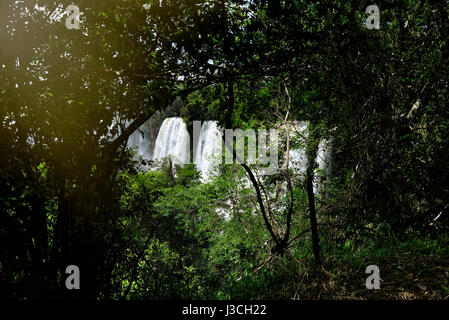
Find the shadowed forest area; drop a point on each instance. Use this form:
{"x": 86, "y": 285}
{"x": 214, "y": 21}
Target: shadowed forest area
{"x": 93, "y": 105}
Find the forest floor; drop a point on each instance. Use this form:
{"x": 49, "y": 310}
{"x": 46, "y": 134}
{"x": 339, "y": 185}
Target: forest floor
{"x": 416, "y": 269}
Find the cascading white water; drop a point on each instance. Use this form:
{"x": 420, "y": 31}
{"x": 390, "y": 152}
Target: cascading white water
{"x": 324, "y": 161}
{"x": 298, "y": 158}
{"x": 173, "y": 140}
{"x": 209, "y": 148}
{"x": 324, "y": 156}
{"x": 141, "y": 143}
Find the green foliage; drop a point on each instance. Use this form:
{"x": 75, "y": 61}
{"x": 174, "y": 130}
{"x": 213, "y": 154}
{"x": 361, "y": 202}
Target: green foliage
{"x": 69, "y": 193}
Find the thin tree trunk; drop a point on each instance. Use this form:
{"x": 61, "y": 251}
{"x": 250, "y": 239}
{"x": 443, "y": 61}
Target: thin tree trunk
{"x": 313, "y": 223}
{"x": 228, "y": 123}
{"x": 311, "y": 150}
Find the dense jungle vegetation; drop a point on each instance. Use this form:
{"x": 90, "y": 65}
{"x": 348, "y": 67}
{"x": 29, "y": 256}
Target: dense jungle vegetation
{"x": 69, "y": 195}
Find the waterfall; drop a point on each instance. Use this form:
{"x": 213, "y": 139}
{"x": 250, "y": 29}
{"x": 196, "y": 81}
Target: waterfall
{"x": 324, "y": 161}
{"x": 209, "y": 148}
{"x": 298, "y": 158}
{"x": 141, "y": 142}
{"x": 173, "y": 140}
{"x": 324, "y": 155}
